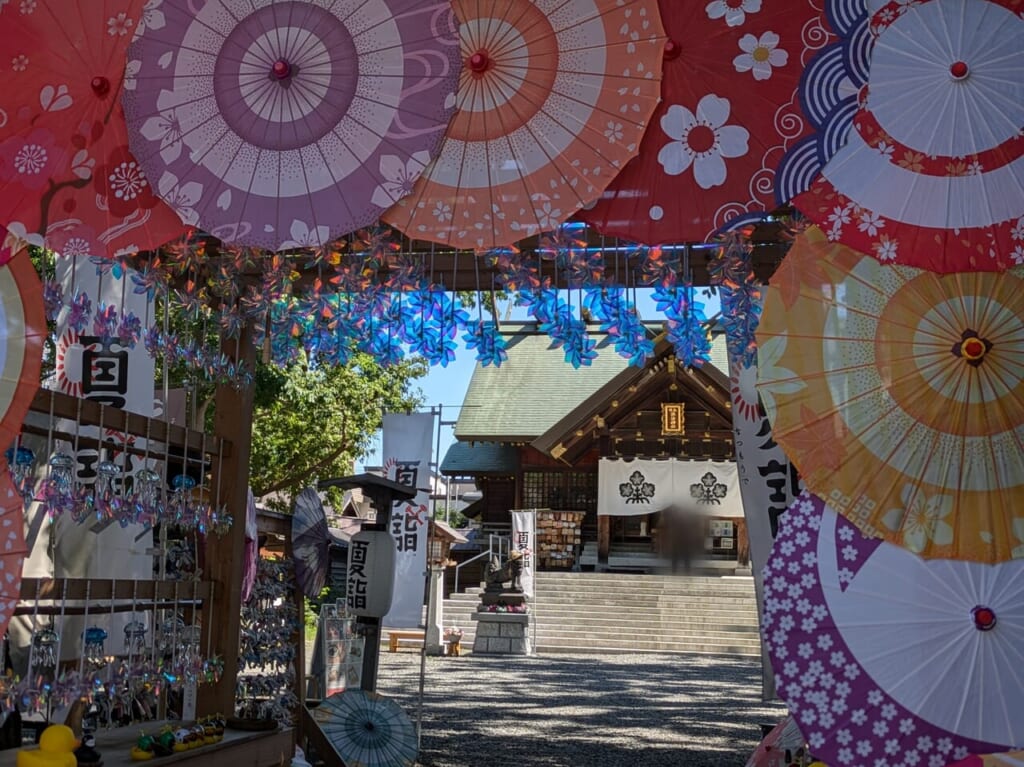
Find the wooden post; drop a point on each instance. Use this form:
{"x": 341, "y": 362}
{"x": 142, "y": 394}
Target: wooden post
{"x": 604, "y": 536}
{"x": 222, "y": 619}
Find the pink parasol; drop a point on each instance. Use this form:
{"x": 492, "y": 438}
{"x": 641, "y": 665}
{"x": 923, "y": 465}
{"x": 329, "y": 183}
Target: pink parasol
{"x": 286, "y": 124}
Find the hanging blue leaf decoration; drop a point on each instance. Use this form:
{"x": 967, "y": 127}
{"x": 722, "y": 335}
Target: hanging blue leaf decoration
{"x": 619, "y": 320}
{"x": 733, "y": 273}
{"x": 685, "y": 324}
{"x": 488, "y": 342}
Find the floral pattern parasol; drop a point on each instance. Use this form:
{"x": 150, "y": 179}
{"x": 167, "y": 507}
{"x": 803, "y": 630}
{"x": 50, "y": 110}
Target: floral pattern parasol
{"x": 287, "y": 124}
{"x": 67, "y": 178}
{"x": 932, "y": 172}
{"x": 899, "y": 395}
{"x": 730, "y": 109}
{"x": 553, "y": 100}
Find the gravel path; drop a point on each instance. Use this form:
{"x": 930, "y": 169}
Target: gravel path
{"x": 583, "y": 710}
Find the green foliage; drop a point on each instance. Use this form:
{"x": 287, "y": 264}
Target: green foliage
{"x": 311, "y": 424}
{"x": 456, "y": 518}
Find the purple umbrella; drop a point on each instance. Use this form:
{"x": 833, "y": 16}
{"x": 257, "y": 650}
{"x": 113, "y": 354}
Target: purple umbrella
{"x": 888, "y": 659}
{"x": 286, "y": 124}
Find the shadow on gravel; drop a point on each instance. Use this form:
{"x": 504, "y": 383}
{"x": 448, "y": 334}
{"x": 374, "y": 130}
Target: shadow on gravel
{"x": 583, "y": 711}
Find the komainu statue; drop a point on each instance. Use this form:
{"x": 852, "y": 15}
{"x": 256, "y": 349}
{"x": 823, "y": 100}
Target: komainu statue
{"x": 499, "y": 574}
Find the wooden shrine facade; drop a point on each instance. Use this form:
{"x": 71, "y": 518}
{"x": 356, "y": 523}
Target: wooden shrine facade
{"x": 623, "y": 416}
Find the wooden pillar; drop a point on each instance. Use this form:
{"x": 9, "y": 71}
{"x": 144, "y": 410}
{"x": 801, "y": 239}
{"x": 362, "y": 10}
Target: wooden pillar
{"x": 232, "y": 422}
{"x": 604, "y": 536}
{"x": 742, "y": 543}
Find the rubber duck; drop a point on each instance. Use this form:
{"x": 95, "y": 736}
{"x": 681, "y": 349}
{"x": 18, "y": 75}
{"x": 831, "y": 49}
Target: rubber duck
{"x": 56, "y": 749}
{"x": 86, "y": 754}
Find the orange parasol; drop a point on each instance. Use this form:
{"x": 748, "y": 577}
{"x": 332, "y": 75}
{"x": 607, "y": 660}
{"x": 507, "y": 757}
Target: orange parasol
{"x": 553, "y": 100}
{"x": 899, "y": 394}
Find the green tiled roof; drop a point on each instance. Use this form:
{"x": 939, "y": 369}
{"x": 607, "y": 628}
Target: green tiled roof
{"x": 465, "y": 459}
{"x": 535, "y": 388}
{"x": 530, "y": 391}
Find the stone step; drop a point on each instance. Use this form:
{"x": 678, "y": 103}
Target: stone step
{"x": 603, "y": 612}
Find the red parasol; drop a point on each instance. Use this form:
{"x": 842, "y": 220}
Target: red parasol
{"x": 729, "y": 111}
{"x": 932, "y": 172}
{"x": 12, "y": 546}
{"x": 22, "y": 330}
{"x": 67, "y": 179}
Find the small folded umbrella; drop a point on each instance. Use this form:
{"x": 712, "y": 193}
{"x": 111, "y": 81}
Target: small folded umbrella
{"x": 311, "y": 541}
{"x": 367, "y": 729}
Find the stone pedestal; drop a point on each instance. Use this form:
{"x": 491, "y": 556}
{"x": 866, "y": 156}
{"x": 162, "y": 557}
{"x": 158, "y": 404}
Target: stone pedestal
{"x": 502, "y": 633}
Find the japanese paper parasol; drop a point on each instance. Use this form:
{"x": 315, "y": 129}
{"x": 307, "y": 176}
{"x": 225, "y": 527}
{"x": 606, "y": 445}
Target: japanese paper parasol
{"x": 729, "y": 111}
{"x": 286, "y": 124}
{"x": 367, "y": 729}
{"x": 886, "y": 658}
{"x": 1009, "y": 759}
{"x": 552, "y": 102}
{"x": 12, "y": 546}
{"x": 932, "y": 173}
{"x": 22, "y": 331}
{"x": 783, "y": 737}
{"x": 899, "y": 395}
{"x": 67, "y": 178}
{"x": 310, "y": 542}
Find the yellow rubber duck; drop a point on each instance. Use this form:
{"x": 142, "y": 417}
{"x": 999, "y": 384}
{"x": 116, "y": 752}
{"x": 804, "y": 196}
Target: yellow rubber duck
{"x": 56, "y": 749}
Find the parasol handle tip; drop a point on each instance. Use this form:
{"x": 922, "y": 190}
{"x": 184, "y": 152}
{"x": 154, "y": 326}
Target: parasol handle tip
{"x": 281, "y": 69}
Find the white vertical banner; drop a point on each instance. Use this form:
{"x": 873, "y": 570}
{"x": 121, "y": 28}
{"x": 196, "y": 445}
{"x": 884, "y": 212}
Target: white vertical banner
{"x": 104, "y": 370}
{"x": 768, "y": 482}
{"x": 408, "y": 442}
{"x": 524, "y": 540}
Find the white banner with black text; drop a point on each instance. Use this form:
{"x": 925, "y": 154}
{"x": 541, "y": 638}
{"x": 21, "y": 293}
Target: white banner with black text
{"x": 768, "y": 483}
{"x": 524, "y": 540}
{"x": 408, "y": 440}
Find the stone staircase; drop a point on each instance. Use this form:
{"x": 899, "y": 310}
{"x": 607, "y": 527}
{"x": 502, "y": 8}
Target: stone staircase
{"x": 609, "y": 612}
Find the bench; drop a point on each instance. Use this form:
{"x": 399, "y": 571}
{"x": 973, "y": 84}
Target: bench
{"x": 404, "y": 637}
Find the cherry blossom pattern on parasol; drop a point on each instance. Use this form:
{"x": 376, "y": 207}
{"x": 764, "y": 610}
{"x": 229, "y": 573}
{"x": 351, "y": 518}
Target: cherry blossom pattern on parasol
{"x": 286, "y": 124}
{"x": 729, "y": 110}
{"x": 885, "y": 658}
{"x": 932, "y": 173}
{"x": 67, "y": 178}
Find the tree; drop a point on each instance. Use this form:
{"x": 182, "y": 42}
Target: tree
{"x": 313, "y": 423}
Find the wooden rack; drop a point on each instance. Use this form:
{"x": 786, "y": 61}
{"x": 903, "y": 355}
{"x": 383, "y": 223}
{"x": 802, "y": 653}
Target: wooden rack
{"x": 88, "y": 413}
{"x": 94, "y": 595}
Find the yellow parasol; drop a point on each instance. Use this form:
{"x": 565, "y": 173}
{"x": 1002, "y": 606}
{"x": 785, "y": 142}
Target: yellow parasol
{"x": 898, "y": 393}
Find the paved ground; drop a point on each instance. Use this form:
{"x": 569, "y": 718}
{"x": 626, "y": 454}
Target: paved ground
{"x": 583, "y": 711}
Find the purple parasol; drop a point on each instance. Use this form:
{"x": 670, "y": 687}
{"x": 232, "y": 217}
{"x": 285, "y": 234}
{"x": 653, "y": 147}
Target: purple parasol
{"x": 286, "y": 124}
{"x": 885, "y": 658}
